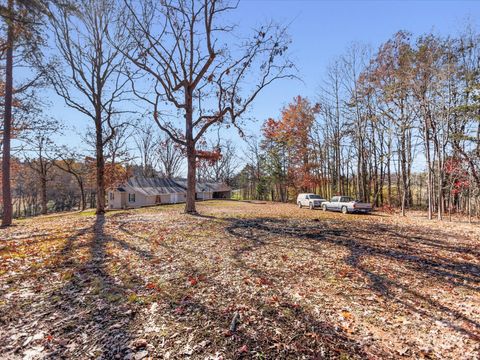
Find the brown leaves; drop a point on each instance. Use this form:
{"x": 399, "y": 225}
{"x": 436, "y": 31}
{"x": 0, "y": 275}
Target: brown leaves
{"x": 139, "y": 343}
{"x": 180, "y": 310}
{"x": 243, "y": 349}
{"x": 49, "y": 338}
{"x": 347, "y": 315}
{"x": 263, "y": 281}
{"x": 152, "y": 286}
{"x": 193, "y": 281}
{"x": 302, "y": 288}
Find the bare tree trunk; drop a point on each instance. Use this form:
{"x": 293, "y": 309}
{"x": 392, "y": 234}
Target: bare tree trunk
{"x": 469, "y": 207}
{"x": 403, "y": 164}
{"x": 429, "y": 174}
{"x": 43, "y": 195}
{"x": 359, "y": 174}
{"x": 100, "y": 169}
{"x": 191, "y": 157}
{"x": 83, "y": 199}
{"x": 450, "y": 203}
{"x": 389, "y": 171}
{"x": 440, "y": 188}
{"x": 7, "y": 125}
{"x": 191, "y": 174}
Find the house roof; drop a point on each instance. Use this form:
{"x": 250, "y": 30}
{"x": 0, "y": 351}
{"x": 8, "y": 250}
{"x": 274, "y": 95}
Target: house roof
{"x": 183, "y": 183}
{"x": 216, "y": 187}
{"x": 158, "y": 186}
{"x": 201, "y": 186}
{"x": 153, "y": 186}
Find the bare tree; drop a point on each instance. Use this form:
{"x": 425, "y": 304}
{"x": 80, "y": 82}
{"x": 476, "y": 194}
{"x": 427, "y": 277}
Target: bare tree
{"x": 147, "y": 145}
{"x": 170, "y": 157}
{"x": 118, "y": 149}
{"x": 330, "y": 122}
{"x": 90, "y": 80}
{"x": 38, "y": 156}
{"x": 223, "y": 168}
{"x": 71, "y": 162}
{"x": 178, "y": 45}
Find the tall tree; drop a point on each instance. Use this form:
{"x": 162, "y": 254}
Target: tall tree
{"x": 184, "y": 48}
{"x": 7, "y": 123}
{"x": 88, "y": 73}
{"x": 391, "y": 75}
{"x": 21, "y": 19}
{"x": 330, "y": 128}
{"x": 293, "y": 131}
{"x": 425, "y": 86}
{"x": 465, "y": 128}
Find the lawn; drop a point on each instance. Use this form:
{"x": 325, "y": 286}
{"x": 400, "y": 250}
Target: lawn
{"x": 243, "y": 280}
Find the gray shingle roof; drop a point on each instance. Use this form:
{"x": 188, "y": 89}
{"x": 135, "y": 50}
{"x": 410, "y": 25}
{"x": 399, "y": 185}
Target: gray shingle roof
{"x": 212, "y": 186}
{"x": 198, "y": 185}
{"x": 202, "y": 186}
{"x": 158, "y": 186}
{"x": 153, "y": 186}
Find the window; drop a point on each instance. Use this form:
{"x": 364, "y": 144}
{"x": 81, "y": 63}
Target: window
{"x": 131, "y": 197}
{"x": 158, "y": 199}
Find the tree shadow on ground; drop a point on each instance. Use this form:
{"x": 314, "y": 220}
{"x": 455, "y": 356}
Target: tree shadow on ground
{"x": 363, "y": 244}
{"x": 91, "y": 305}
{"x": 285, "y": 329}
{"x": 88, "y": 315}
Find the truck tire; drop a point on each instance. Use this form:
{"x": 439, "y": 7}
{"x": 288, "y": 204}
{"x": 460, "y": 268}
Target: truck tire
{"x": 299, "y": 205}
{"x": 344, "y": 210}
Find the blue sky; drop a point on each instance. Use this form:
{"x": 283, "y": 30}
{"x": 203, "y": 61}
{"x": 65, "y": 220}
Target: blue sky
{"x": 321, "y": 31}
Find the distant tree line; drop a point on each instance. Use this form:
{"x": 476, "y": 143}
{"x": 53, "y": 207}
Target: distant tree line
{"x": 379, "y": 116}
{"x": 398, "y": 127}
{"x": 178, "y": 65}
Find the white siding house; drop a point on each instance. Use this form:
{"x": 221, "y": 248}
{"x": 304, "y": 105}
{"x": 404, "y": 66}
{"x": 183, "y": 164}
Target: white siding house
{"x": 140, "y": 191}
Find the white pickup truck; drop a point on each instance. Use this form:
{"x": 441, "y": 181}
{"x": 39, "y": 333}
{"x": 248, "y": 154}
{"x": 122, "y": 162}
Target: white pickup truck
{"x": 346, "y": 205}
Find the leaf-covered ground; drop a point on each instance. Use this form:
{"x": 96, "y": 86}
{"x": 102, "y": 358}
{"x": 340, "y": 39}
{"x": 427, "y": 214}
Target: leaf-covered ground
{"x": 243, "y": 280}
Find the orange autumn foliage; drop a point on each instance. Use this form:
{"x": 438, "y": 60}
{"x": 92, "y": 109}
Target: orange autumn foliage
{"x": 292, "y": 130}
{"x": 208, "y": 157}
{"x": 115, "y": 174}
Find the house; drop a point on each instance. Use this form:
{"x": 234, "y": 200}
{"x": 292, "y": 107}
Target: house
{"x": 141, "y": 191}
